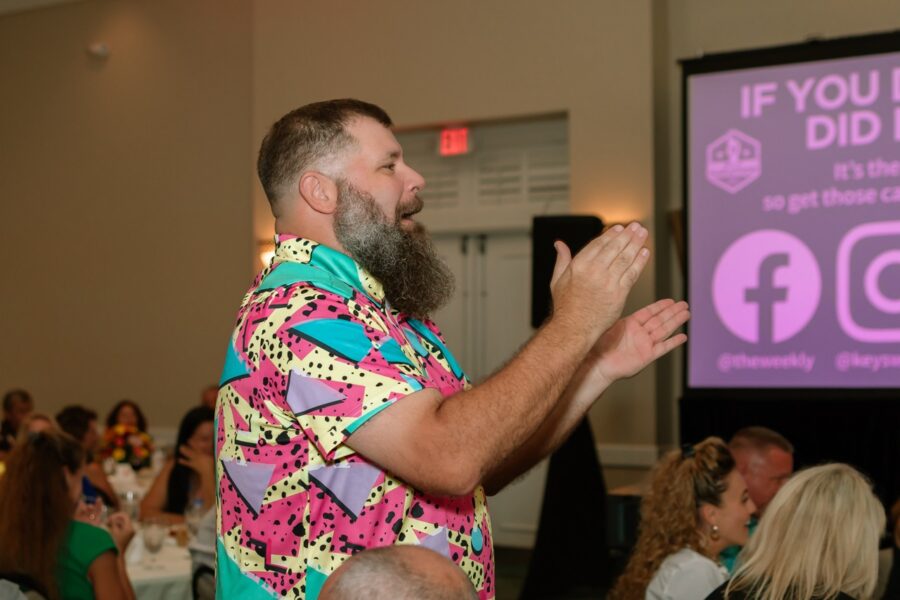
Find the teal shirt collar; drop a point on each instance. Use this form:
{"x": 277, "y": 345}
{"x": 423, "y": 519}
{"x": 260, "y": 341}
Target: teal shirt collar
{"x": 293, "y": 249}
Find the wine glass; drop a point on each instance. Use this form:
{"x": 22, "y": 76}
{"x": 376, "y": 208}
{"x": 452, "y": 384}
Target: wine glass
{"x": 154, "y": 532}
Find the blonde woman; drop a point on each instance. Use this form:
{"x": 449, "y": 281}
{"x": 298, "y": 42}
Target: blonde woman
{"x": 893, "y": 585}
{"x": 818, "y": 541}
{"x": 698, "y": 505}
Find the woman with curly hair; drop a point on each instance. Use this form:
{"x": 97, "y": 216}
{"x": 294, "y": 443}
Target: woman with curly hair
{"x": 697, "y": 506}
{"x": 818, "y": 541}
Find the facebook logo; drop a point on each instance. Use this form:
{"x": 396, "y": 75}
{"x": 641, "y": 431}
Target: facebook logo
{"x": 765, "y": 295}
{"x": 766, "y": 286}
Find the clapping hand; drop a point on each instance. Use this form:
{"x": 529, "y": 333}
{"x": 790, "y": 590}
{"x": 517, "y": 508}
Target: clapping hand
{"x": 590, "y": 288}
{"x": 637, "y": 340}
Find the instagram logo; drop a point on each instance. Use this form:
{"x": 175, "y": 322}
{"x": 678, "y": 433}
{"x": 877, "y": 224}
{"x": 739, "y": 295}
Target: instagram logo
{"x": 882, "y": 240}
{"x": 766, "y": 286}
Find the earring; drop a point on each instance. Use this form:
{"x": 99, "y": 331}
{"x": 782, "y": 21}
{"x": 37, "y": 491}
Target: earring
{"x": 714, "y": 535}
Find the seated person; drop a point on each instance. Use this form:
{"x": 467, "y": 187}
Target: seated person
{"x": 697, "y": 506}
{"x": 43, "y": 544}
{"x": 36, "y": 423}
{"x": 81, "y": 424}
{"x": 203, "y": 558}
{"x": 126, "y": 420}
{"x": 401, "y": 572}
{"x": 893, "y": 584}
{"x": 189, "y": 476}
{"x": 126, "y": 413}
{"x": 17, "y": 404}
{"x": 765, "y": 459}
{"x": 209, "y": 395}
{"x": 818, "y": 541}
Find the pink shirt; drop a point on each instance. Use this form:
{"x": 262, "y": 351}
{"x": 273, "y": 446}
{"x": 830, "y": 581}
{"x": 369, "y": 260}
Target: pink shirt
{"x": 315, "y": 354}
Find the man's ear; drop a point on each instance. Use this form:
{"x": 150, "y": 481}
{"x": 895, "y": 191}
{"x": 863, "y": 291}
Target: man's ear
{"x": 319, "y": 191}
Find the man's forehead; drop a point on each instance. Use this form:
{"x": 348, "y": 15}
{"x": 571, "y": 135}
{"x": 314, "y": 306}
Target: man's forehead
{"x": 779, "y": 456}
{"x": 373, "y": 140}
{"x": 774, "y": 458}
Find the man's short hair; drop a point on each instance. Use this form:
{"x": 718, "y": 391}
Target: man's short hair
{"x": 759, "y": 438}
{"x": 305, "y": 136}
{"x": 13, "y": 395}
{"x": 75, "y": 420}
{"x": 399, "y": 573}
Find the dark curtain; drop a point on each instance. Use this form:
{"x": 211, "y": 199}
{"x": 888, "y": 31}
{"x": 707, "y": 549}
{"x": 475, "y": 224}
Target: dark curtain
{"x": 570, "y": 555}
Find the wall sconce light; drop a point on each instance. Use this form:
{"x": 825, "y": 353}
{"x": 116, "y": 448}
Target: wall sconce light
{"x": 98, "y": 51}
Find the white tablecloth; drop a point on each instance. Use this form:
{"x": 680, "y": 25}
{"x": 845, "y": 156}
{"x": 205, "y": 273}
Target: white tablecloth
{"x": 168, "y": 578}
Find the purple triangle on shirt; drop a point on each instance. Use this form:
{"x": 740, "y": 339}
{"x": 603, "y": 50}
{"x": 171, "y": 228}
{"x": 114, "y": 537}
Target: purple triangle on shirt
{"x": 438, "y": 542}
{"x": 306, "y": 394}
{"x": 250, "y": 480}
{"x": 349, "y": 485}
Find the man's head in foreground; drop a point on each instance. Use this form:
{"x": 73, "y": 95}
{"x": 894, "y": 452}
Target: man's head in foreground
{"x": 334, "y": 173}
{"x": 400, "y": 572}
{"x": 765, "y": 458}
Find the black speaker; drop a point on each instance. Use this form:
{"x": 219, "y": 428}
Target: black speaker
{"x": 575, "y": 231}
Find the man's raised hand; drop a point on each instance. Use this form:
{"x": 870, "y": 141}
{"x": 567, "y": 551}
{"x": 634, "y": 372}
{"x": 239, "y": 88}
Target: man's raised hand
{"x": 591, "y": 287}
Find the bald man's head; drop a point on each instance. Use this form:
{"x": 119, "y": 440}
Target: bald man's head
{"x": 398, "y": 573}
{"x": 765, "y": 459}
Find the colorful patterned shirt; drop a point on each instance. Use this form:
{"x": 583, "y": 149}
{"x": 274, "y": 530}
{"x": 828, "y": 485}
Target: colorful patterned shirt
{"x": 316, "y": 353}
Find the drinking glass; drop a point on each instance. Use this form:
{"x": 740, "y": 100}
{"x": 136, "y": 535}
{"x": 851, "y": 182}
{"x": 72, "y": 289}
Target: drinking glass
{"x": 193, "y": 514}
{"x": 130, "y": 501}
{"x": 154, "y": 532}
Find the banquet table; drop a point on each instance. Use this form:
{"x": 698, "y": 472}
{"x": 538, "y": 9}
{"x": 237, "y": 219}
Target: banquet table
{"x": 165, "y": 577}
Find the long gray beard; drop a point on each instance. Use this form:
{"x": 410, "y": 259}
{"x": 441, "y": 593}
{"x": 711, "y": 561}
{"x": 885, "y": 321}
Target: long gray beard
{"x": 416, "y": 281}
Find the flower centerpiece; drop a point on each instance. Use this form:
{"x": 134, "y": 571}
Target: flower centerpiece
{"x": 126, "y": 444}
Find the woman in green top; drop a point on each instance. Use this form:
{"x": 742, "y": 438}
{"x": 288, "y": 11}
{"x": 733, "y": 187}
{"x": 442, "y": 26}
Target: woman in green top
{"x": 39, "y": 495}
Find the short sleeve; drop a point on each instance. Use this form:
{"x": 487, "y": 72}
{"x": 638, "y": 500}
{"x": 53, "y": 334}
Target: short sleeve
{"x": 694, "y": 580}
{"x": 88, "y": 542}
{"x": 350, "y": 362}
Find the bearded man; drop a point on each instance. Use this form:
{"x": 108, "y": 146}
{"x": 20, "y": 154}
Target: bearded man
{"x": 343, "y": 420}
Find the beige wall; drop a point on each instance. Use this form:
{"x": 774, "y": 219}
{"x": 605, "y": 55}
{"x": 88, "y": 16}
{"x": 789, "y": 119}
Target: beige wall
{"x": 125, "y": 232}
{"x": 437, "y": 62}
{"x": 129, "y": 211}
{"x": 689, "y": 28}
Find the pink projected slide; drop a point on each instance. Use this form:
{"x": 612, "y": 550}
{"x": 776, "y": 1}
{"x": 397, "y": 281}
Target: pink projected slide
{"x": 793, "y": 224}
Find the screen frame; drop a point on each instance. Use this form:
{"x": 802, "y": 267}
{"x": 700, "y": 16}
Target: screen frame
{"x": 774, "y": 56}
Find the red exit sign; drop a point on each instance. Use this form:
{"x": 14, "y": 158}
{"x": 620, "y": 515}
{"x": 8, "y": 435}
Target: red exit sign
{"x": 455, "y": 141}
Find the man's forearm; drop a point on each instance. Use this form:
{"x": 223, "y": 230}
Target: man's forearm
{"x": 509, "y": 407}
{"x": 449, "y": 446}
{"x": 576, "y": 400}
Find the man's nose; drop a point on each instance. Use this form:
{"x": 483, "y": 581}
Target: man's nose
{"x": 416, "y": 181}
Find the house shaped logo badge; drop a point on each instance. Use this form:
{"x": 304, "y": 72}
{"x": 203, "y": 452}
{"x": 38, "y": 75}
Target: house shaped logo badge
{"x": 733, "y": 161}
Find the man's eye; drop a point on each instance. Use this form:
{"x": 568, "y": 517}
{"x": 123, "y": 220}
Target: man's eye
{"x": 390, "y": 167}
